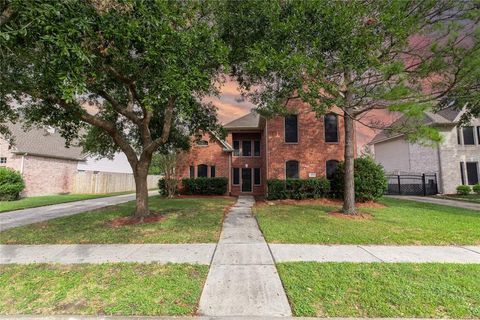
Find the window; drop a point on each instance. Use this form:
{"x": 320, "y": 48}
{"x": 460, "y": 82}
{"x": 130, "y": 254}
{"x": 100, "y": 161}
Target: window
{"x": 472, "y": 173}
{"x": 236, "y": 148}
{"x": 331, "y": 127}
{"x": 212, "y": 172}
{"x": 192, "y": 172}
{"x": 468, "y": 136}
{"x": 236, "y": 176}
{"x": 247, "y": 148}
{"x": 291, "y": 169}
{"x": 331, "y": 167}
{"x": 256, "y": 176}
{"x": 202, "y": 171}
{"x": 3, "y": 160}
{"x": 291, "y": 128}
{"x": 256, "y": 148}
{"x": 462, "y": 172}
{"x": 202, "y": 143}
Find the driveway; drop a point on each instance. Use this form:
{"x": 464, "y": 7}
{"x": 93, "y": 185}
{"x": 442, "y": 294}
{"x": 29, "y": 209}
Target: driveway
{"x": 444, "y": 202}
{"x": 23, "y": 217}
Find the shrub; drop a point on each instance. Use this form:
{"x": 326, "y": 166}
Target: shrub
{"x": 205, "y": 186}
{"x": 476, "y": 188}
{"x": 167, "y": 187}
{"x": 11, "y": 184}
{"x": 370, "y": 181}
{"x": 463, "y": 190}
{"x": 297, "y": 188}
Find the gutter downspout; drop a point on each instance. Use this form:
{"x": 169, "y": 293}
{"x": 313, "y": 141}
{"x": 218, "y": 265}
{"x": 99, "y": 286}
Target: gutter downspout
{"x": 22, "y": 166}
{"x": 440, "y": 171}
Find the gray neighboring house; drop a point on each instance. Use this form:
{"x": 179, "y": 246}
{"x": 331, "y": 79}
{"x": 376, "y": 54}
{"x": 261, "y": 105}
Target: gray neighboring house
{"x": 455, "y": 161}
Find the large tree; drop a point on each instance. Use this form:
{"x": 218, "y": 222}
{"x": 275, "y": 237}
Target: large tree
{"x": 399, "y": 55}
{"x": 114, "y": 75}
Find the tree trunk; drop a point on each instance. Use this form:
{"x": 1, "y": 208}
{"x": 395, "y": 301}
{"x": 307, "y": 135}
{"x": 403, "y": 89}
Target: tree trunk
{"x": 141, "y": 189}
{"x": 349, "y": 182}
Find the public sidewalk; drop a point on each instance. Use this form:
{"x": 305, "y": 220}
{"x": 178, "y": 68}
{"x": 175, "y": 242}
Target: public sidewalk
{"x": 440, "y": 201}
{"x": 243, "y": 279}
{"x": 17, "y": 218}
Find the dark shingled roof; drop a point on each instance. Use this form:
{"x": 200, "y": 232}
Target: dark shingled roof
{"x": 250, "y": 121}
{"x": 40, "y": 142}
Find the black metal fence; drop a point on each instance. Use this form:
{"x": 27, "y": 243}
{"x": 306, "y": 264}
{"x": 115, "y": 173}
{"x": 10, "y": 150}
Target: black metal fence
{"x": 412, "y": 184}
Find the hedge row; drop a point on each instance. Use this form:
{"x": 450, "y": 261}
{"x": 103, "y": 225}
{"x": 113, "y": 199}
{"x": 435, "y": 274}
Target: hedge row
{"x": 11, "y": 184}
{"x": 297, "y": 188}
{"x": 205, "y": 186}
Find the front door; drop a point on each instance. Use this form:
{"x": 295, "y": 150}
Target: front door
{"x": 246, "y": 179}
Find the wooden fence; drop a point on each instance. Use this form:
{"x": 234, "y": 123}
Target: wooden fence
{"x": 108, "y": 182}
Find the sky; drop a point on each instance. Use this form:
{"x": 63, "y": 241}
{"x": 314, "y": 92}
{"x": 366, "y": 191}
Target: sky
{"x": 231, "y": 105}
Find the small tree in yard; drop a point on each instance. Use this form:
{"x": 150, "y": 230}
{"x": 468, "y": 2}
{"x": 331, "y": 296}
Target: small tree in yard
{"x": 165, "y": 165}
{"x": 399, "y": 55}
{"x": 116, "y": 75}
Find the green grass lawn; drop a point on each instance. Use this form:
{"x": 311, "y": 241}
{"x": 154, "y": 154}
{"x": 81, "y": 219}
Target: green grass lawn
{"x": 110, "y": 289}
{"x": 188, "y": 220}
{"x": 475, "y": 198}
{"x": 32, "y": 202}
{"x": 382, "y": 289}
{"x": 402, "y": 222}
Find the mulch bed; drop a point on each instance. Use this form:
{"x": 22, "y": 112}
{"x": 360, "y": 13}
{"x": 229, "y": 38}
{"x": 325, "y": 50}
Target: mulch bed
{"x": 321, "y": 201}
{"x": 185, "y": 196}
{"x": 127, "y": 221}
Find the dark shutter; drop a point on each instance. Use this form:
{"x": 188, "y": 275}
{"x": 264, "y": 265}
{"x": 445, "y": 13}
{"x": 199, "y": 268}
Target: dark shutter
{"x": 212, "y": 172}
{"x": 247, "y": 148}
{"x": 472, "y": 173}
{"x": 236, "y": 148}
{"x": 459, "y": 140}
{"x": 331, "y": 127}
{"x": 478, "y": 135}
{"x": 236, "y": 176}
{"x": 256, "y": 176}
{"x": 468, "y": 136}
{"x": 256, "y": 148}
{"x": 202, "y": 171}
{"x": 192, "y": 172}
{"x": 291, "y": 169}
{"x": 462, "y": 172}
{"x": 331, "y": 167}
{"x": 291, "y": 128}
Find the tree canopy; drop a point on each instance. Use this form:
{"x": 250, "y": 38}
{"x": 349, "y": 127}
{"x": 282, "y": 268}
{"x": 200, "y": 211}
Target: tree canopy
{"x": 115, "y": 75}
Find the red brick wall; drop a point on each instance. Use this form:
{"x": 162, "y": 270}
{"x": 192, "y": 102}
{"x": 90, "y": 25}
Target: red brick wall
{"x": 311, "y": 150}
{"x": 211, "y": 155}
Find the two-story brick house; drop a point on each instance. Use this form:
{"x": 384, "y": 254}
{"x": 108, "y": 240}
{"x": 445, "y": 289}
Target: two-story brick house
{"x": 300, "y": 145}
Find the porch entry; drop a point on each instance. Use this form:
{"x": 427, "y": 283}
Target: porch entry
{"x": 247, "y": 180}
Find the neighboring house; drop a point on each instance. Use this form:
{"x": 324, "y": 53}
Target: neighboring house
{"x": 48, "y": 167}
{"x": 455, "y": 160}
{"x": 256, "y": 149}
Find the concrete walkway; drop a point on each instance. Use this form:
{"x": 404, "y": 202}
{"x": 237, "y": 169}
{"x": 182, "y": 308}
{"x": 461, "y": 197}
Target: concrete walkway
{"x": 73, "y": 317}
{"x": 444, "y": 202}
{"x": 243, "y": 280}
{"x": 17, "y": 218}
{"x": 373, "y": 253}
{"x": 102, "y": 253}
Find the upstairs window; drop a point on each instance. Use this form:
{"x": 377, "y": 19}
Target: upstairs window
{"x": 247, "y": 148}
{"x": 202, "y": 143}
{"x": 291, "y": 128}
{"x": 292, "y": 169}
{"x": 256, "y": 148}
{"x": 468, "y": 136}
{"x": 202, "y": 171}
{"x": 331, "y": 167}
{"x": 236, "y": 148}
{"x": 472, "y": 173}
{"x": 331, "y": 127}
